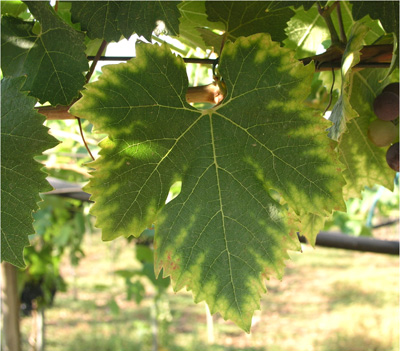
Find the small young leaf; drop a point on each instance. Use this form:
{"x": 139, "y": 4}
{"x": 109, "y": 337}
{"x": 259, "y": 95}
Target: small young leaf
{"x": 23, "y": 137}
{"x": 306, "y": 31}
{"x": 343, "y": 112}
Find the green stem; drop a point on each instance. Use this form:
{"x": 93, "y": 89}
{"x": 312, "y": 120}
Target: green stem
{"x": 95, "y": 60}
{"x": 83, "y": 137}
{"x": 343, "y": 38}
{"x": 325, "y": 12}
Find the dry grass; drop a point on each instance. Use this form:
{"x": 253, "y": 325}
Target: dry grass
{"x": 329, "y": 299}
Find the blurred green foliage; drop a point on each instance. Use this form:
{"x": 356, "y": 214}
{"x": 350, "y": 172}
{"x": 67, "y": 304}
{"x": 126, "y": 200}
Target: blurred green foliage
{"x": 375, "y": 207}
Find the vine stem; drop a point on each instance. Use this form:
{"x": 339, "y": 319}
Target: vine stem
{"x": 204, "y": 61}
{"x": 83, "y": 137}
{"x": 381, "y": 55}
{"x": 373, "y": 56}
{"x": 325, "y": 13}
{"x": 343, "y": 38}
{"x": 95, "y": 60}
{"x": 326, "y": 66}
{"x": 331, "y": 92}
{"x": 102, "y": 47}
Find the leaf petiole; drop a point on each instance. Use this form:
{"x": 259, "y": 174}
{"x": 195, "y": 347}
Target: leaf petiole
{"x": 325, "y": 13}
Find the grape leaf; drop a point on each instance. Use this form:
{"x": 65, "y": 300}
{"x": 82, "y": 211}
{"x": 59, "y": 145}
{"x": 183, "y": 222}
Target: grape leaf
{"x": 224, "y": 230}
{"x": 243, "y": 18}
{"x": 97, "y": 18}
{"x": 109, "y": 20}
{"x": 23, "y": 137}
{"x": 306, "y": 4}
{"x": 311, "y": 225}
{"x": 193, "y": 17}
{"x": 342, "y": 112}
{"x": 307, "y": 32}
{"x": 141, "y": 17}
{"x": 13, "y": 8}
{"x": 211, "y": 39}
{"x": 365, "y": 162}
{"x": 53, "y": 61}
{"x": 13, "y": 56}
{"x": 387, "y": 12}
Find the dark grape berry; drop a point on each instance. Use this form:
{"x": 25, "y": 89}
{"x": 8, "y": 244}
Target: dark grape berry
{"x": 386, "y": 106}
{"x": 392, "y": 157}
{"x": 31, "y": 291}
{"x": 392, "y": 87}
{"x": 382, "y": 133}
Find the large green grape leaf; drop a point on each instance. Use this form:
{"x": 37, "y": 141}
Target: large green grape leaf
{"x": 243, "y": 18}
{"x": 53, "y": 61}
{"x": 224, "y": 230}
{"x": 23, "y": 137}
{"x": 365, "y": 163}
{"x": 97, "y": 18}
{"x": 142, "y": 16}
{"x": 343, "y": 112}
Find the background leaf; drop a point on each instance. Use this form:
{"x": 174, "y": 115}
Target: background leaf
{"x": 193, "y": 17}
{"x": 97, "y": 18}
{"x": 308, "y": 35}
{"x": 306, "y": 32}
{"x": 243, "y": 18}
{"x": 211, "y": 39}
{"x": 141, "y": 17}
{"x": 23, "y": 137}
{"x": 53, "y": 61}
{"x": 386, "y": 11}
{"x": 13, "y": 8}
{"x": 13, "y": 56}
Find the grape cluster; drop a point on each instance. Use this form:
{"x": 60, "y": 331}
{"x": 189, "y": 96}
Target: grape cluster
{"x": 384, "y": 132}
{"x": 34, "y": 291}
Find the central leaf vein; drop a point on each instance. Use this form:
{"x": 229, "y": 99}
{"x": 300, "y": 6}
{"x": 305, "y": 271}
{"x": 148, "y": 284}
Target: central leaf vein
{"x": 222, "y": 213}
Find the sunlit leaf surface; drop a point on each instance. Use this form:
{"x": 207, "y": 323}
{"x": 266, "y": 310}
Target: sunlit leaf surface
{"x": 224, "y": 230}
